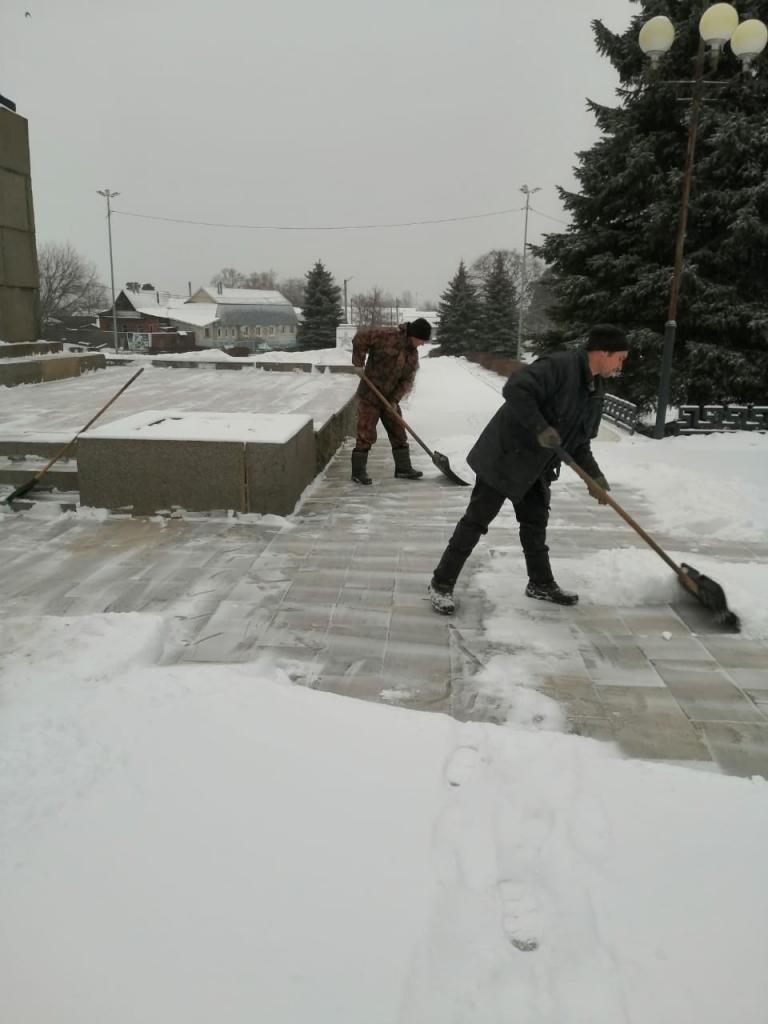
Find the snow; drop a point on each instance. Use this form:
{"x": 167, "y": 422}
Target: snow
{"x": 206, "y": 843}
{"x": 219, "y": 843}
{"x": 178, "y": 425}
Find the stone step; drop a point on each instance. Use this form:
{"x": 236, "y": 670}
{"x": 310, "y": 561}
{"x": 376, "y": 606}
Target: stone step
{"x": 38, "y": 369}
{"x": 19, "y": 349}
{"x": 61, "y": 476}
{"x": 43, "y": 446}
{"x": 62, "y": 501}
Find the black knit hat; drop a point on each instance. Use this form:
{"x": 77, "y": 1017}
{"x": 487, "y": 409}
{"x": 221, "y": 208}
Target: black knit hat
{"x": 420, "y": 328}
{"x": 607, "y": 338}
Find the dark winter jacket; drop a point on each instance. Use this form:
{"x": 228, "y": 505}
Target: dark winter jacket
{"x": 557, "y": 391}
{"x": 391, "y": 364}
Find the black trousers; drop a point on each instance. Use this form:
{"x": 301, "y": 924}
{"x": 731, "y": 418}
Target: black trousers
{"x": 485, "y": 503}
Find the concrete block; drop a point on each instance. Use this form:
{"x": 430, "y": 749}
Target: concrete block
{"x": 14, "y": 142}
{"x": 19, "y": 371}
{"x": 14, "y": 212}
{"x": 19, "y": 259}
{"x": 29, "y": 348}
{"x": 334, "y": 431}
{"x": 63, "y": 366}
{"x": 276, "y": 474}
{"x": 19, "y": 314}
{"x": 197, "y": 461}
{"x": 151, "y": 476}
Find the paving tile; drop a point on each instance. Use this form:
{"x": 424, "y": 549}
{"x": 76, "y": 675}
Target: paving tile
{"x": 739, "y": 749}
{"x": 738, "y": 652}
{"x": 615, "y": 661}
{"x": 706, "y": 694}
{"x": 677, "y": 648}
{"x": 750, "y": 678}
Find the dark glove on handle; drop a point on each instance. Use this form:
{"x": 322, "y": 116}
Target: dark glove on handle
{"x": 549, "y": 438}
{"x": 606, "y": 487}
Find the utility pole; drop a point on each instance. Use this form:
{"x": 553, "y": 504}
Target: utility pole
{"x": 346, "y": 314}
{"x": 110, "y": 196}
{"x": 527, "y": 192}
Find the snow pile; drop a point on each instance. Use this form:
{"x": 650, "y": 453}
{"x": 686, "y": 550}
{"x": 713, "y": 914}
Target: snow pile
{"x": 214, "y": 842}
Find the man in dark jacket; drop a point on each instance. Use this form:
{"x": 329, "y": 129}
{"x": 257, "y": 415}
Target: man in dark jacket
{"x": 555, "y": 402}
{"x": 390, "y": 357}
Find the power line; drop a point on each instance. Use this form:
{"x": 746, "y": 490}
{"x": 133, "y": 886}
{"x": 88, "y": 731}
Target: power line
{"x": 331, "y": 227}
{"x": 549, "y": 217}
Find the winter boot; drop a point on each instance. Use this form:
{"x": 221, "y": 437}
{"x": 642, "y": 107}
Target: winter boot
{"x": 441, "y": 597}
{"x": 550, "y": 592}
{"x": 359, "y": 463}
{"x": 403, "y": 468}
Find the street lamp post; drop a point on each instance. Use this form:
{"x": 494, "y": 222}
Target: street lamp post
{"x": 718, "y": 24}
{"x": 527, "y": 192}
{"x": 346, "y": 314}
{"x": 109, "y": 196}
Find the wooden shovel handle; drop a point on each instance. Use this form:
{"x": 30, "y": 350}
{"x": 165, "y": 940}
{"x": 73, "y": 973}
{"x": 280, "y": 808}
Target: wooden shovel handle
{"x": 395, "y": 413}
{"x": 601, "y": 492}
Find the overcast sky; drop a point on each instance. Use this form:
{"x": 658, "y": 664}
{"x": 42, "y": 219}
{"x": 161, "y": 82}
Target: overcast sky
{"x": 304, "y": 113}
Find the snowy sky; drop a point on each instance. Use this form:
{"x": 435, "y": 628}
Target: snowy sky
{"x": 302, "y": 114}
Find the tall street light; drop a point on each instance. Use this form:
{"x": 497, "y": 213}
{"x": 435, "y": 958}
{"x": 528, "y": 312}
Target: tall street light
{"x": 718, "y": 24}
{"x": 527, "y": 192}
{"x": 109, "y": 196}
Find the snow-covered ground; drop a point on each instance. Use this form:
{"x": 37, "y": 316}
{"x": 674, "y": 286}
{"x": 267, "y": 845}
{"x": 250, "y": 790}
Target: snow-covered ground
{"x": 206, "y": 843}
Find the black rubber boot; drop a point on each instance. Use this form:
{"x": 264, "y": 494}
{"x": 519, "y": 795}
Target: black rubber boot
{"x": 359, "y": 471}
{"x": 441, "y": 597}
{"x": 550, "y": 592}
{"x": 403, "y": 468}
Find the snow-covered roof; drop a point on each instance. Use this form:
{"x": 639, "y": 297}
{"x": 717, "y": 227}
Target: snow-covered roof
{"x": 198, "y": 314}
{"x": 245, "y": 296}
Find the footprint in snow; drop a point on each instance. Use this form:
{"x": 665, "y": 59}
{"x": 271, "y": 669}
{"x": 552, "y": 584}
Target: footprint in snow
{"x": 461, "y": 765}
{"x": 520, "y": 915}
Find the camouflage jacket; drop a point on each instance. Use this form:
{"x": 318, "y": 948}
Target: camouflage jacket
{"x": 391, "y": 363}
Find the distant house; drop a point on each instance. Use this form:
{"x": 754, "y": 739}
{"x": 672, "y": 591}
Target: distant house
{"x": 251, "y": 318}
{"x": 155, "y": 321}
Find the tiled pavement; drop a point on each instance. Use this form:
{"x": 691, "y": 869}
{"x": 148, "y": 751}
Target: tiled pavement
{"x": 339, "y": 596}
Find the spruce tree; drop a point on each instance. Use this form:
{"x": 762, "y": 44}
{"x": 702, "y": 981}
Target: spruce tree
{"x": 500, "y": 311}
{"x": 614, "y": 262}
{"x": 322, "y": 310}
{"x": 459, "y": 313}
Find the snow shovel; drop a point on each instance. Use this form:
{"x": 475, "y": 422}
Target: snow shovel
{"x": 441, "y": 461}
{"x": 704, "y": 588}
{"x": 23, "y": 489}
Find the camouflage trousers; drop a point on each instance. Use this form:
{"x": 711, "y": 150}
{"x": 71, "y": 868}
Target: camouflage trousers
{"x": 368, "y": 415}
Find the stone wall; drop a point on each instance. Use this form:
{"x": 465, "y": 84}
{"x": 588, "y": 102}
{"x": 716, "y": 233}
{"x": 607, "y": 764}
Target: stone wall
{"x": 19, "y": 281}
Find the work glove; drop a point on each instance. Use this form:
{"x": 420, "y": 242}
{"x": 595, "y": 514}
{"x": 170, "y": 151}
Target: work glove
{"x": 549, "y": 438}
{"x": 606, "y": 487}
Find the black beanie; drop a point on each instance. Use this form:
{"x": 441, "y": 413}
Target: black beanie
{"x": 607, "y": 338}
{"x": 420, "y": 328}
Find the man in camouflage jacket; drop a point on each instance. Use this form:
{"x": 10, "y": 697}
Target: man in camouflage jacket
{"x": 389, "y": 357}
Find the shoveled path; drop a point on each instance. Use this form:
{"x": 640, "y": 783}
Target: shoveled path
{"x": 338, "y": 594}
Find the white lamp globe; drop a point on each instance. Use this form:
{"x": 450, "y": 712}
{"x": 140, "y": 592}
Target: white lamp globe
{"x": 749, "y": 40}
{"x": 656, "y": 37}
{"x": 717, "y": 25}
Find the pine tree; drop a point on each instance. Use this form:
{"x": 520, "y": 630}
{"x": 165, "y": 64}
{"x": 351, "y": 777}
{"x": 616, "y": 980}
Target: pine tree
{"x": 322, "y": 310}
{"x": 459, "y": 313}
{"x": 500, "y": 310}
{"x": 614, "y": 263}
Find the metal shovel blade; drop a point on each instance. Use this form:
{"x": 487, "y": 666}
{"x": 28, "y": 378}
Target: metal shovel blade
{"x": 442, "y": 463}
{"x": 711, "y": 595}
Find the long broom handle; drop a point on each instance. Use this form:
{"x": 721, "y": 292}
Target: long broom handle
{"x": 396, "y": 414}
{"x": 605, "y": 496}
{"x": 41, "y": 473}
